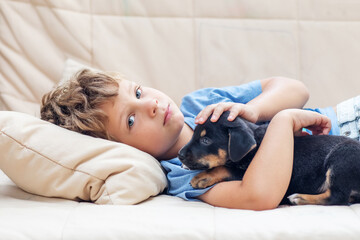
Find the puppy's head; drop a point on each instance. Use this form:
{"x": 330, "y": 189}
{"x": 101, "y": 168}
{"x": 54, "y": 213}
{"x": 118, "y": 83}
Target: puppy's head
{"x": 213, "y": 144}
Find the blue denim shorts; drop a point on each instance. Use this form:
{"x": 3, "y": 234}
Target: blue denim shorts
{"x": 348, "y": 117}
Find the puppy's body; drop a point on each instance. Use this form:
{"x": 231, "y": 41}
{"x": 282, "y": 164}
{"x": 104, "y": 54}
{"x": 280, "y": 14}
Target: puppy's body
{"x": 326, "y": 169}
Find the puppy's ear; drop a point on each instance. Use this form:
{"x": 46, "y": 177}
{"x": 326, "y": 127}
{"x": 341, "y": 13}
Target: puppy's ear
{"x": 241, "y": 137}
{"x": 240, "y": 143}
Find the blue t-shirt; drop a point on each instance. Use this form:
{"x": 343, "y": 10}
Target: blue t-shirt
{"x": 178, "y": 177}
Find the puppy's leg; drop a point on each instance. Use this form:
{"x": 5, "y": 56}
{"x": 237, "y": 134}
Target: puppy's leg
{"x": 335, "y": 193}
{"x": 325, "y": 198}
{"x": 304, "y": 199}
{"x": 212, "y": 176}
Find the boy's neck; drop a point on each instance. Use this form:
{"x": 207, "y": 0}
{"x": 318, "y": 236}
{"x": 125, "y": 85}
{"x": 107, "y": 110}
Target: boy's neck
{"x": 184, "y": 137}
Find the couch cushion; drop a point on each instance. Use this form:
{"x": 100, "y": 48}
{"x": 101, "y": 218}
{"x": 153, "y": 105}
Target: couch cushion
{"x": 47, "y": 160}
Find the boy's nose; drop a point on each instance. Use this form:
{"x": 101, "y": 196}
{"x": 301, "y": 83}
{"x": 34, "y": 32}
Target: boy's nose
{"x": 152, "y": 107}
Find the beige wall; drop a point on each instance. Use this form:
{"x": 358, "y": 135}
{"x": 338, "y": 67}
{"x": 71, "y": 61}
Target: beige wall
{"x": 178, "y": 46}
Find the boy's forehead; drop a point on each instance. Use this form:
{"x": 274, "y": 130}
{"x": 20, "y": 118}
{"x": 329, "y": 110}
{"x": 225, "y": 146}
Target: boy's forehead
{"x": 126, "y": 93}
{"x": 126, "y": 86}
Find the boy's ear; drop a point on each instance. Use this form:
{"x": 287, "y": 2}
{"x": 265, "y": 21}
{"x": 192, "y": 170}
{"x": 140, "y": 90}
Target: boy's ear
{"x": 240, "y": 143}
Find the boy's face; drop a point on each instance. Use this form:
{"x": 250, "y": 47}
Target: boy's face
{"x": 144, "y": 118}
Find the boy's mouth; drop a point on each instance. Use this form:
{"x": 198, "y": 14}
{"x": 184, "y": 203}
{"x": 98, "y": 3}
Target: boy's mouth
{"x": 167, "y": 114}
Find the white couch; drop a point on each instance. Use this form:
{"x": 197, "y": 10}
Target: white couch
{"x": 27, "y": 216}
{"x": 176, "y": 46}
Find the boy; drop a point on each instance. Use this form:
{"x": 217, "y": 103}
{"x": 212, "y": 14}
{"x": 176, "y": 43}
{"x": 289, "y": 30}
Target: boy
{"x": 102, "y": 105}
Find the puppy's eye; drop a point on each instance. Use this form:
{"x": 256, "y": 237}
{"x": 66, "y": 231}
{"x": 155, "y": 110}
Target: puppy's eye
{"x": 205, "y": 140}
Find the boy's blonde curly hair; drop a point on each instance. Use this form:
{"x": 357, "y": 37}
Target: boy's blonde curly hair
{"x": 75, "y": 104}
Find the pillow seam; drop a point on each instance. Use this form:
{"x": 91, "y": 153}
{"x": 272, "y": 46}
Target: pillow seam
{"x": 48, "y": 158}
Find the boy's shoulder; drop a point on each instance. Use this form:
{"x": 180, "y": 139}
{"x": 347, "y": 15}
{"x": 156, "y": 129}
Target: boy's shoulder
{"x": 246, "y": 90}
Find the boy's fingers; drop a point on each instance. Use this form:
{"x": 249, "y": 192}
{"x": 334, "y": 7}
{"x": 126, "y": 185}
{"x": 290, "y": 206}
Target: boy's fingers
{"x": 321, "y": 125}
{"x": 324, "y": 127}
{"x": 204, "y": 114}
{"x": 233, "y": 114}
{"x": 216, "y": 110}
{"x": 216, "y": 114}
{"x": 236, "y": 110}
{"x": 198, "y": 118}
{"x": 219, "y": 109}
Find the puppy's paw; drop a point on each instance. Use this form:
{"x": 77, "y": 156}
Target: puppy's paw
{"x": 297, "y": 199}
{"x": 202, "y": 180}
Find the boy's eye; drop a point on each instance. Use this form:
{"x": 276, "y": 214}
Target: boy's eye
{"x": 138, "y": 92}
{"x": 131, "y": 120}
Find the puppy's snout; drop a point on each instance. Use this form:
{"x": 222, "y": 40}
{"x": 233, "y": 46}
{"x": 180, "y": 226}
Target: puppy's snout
{"x": 182, "y": 154}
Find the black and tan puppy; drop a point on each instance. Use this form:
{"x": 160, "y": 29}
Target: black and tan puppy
{"x": 326, "y": 169}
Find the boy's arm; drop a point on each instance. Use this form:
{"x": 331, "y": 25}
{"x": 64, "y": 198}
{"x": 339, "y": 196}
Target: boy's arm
{"x": 278, "y": 93}
{"x": 267, "y": 178}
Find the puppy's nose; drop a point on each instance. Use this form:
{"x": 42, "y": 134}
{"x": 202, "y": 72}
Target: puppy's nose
{"x": 181, "y": 154}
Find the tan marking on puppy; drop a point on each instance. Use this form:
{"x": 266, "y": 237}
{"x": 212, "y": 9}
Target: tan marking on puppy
{"x": 222, "y": 155}
{"x": 203, "y": 133}
{"x": 214, "y": 160}
{"x": 303, "y": 199}
{"x": 326, "y": 184}
{"x": 210, "y": 177}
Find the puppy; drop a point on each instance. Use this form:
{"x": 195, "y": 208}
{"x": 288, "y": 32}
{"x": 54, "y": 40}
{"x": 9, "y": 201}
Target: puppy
{"x": 326, "y": 169}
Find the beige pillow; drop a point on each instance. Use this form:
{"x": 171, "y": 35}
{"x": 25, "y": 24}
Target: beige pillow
{"x": 47, "y": 160}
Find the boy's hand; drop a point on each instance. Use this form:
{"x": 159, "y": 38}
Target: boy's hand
{"x": 236, "y": 109}
{"x": 317, "y": 123}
